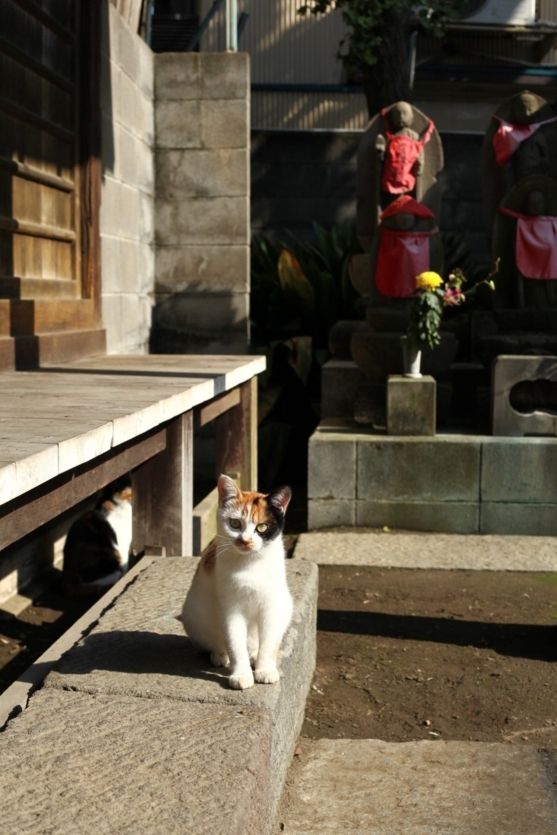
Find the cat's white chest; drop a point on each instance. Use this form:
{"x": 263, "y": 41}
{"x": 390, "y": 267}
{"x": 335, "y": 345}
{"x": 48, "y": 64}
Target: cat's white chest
{"x": 120, "y": 520}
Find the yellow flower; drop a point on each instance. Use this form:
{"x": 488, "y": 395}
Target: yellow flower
{"x": 428, "y": 281}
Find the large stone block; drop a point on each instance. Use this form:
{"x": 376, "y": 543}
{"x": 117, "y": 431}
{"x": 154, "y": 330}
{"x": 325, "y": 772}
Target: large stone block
{"x": 177, "y": 76}
{"x": 203, "y": 269}
{"x": 411, "y": 405}
{"x": 225, "y": 124}
{"x": 519, "y": 470}
{"x": 440, "y": 469}
{"x": 420, "y": 788}
{"x": 214, "y": 312}
{"x": 202, "y": 173}
{"x": 202, "y": 220}
{"x": 134, "y": 161}
{"x": 178, "y": 124}
{"x": 524, "y": 519}
{"x": 445, "y": 517}
{"x": 331, "y": 513}
{"x": 74, "y": 762}
{"x": 225, "y": 75}
{"x": 133, "y": 55}
{"x": 135, "y": 110}
{"x": 331, "y": 466}
{"x": 120, "y": 210}
{"x": 139, "y": 649}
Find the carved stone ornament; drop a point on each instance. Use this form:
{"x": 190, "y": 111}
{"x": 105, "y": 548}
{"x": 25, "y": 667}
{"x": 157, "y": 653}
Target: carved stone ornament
{"x": 400, "y": 153}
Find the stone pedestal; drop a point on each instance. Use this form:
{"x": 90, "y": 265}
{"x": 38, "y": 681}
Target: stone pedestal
{"x": 411, "y": 405}
{"x": 524, "y": 393}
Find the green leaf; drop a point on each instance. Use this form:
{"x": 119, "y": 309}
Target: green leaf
{"x": 294, "y": 283}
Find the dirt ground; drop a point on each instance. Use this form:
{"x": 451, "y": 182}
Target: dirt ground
{"x": 414, "y": 654}
{"x": 401, "y": 654}
{"x": 25, "y": 637}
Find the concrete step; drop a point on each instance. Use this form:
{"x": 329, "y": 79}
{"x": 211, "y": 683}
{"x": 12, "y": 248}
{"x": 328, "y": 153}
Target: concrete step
{"x": 370, "y": 787}
{"x": 428, "y": 550}
{"x": 135, "y": 684}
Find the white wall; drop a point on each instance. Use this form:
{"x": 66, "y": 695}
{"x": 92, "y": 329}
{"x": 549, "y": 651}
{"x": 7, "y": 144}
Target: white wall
{"x": 128, "y": 187}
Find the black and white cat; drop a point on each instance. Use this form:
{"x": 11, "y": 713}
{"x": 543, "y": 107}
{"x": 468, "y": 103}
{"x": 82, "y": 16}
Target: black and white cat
{"x": 97, "y": 548}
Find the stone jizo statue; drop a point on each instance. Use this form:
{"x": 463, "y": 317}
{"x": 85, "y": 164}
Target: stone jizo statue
{"x": 400, "y": 153}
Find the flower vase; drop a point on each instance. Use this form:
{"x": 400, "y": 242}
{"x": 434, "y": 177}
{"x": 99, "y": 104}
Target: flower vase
{"x": 411, "y": 360}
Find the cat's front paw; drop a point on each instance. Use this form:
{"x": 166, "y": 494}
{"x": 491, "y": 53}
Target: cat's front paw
{"x": 241, "y": 682}
{"x": 267, "y": 675}
{"x": 220, "y": 659}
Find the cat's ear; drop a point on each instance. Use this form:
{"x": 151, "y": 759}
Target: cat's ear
{"x": 280, "y": 498}
{"x": 227, "y": 489}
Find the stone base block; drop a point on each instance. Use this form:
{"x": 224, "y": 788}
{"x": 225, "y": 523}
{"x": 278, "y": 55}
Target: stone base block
{"x": 445, "y": 517}
{"x": 74, "y": 762}
{"x": 446, "y": 483}
{"x": 411, "y": 405}
{"x": 139, "y": 649}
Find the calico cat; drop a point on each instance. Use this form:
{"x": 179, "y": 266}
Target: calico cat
{"x": 239, "y": 606}
{"x": 97, "y": 548}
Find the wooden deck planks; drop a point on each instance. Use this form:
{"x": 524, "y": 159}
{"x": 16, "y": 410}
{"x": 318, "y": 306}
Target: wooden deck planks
{"x": 58, "y": 418}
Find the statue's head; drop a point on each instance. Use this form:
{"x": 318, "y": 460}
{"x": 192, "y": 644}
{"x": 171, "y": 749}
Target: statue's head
{"x": 535, "y": 203}
{"x": 525, "y": 105}
{"x": 401, "y": 115}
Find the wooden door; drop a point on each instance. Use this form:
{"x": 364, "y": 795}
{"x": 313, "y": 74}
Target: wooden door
{"x": 49, "y": 179}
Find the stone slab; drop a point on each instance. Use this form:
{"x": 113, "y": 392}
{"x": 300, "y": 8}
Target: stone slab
{"x": 519, "y": 470}
{"x": 539, "y": 520}
{"x": 411, "y": 405}
{"x": 431, "y": 550}
{"x": 445, "y": 517}
{"x": 139, "y": 649}
{"x": 371, "y": 787}
{"x": 331, "y": 467}
{"x": 74, "y": 762}
{"x": 443, "y": 469}
{"x": 330, "y": 513}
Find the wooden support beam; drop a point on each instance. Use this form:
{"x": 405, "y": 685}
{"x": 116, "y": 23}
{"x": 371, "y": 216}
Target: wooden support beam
{"x": 26, "y": 513}
{"x": 236, "y": 437}
{"x": 217, "y": 407}
{"x": 163, "y": 494}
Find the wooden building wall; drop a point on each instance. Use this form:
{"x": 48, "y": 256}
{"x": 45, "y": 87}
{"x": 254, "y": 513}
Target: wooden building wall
{"x": 49, "y": 181}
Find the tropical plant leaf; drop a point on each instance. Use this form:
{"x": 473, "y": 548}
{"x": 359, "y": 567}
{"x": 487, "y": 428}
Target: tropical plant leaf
{"x": 294, "y": 283}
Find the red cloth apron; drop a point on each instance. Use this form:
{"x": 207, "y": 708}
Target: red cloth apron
{"x": 402, "y": 256}
{"x": 400, "y": 157}
{"x": 508, "y": 137}
{"x": 536, "y": 245}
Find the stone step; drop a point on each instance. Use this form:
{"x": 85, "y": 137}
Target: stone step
{"x": 428, "y": 550}
{"x": 371, "y": 787}
{"x": 137, "y": 669}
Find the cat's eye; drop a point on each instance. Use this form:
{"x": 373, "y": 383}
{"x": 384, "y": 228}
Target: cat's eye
{"x": 261, "y": 528}
{"x": 235, "y": 523}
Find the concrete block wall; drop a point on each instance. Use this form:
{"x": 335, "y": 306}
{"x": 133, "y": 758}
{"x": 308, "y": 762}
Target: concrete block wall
{"x": 202, "y": 203}
{"x": 449, "y": 483}
{"x": 128, "y": 186}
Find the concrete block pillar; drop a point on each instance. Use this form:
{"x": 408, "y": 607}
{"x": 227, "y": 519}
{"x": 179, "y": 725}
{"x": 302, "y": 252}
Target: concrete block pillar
{"x": 411, "y": 405}
{"x": 202, "y": 229}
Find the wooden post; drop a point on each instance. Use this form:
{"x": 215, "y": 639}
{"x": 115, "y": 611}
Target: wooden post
{"x": 236, "y": 438}
{"x": 163, "y": 494}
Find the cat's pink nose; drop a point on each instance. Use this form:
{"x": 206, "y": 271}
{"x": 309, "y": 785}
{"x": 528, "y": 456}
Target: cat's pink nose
{"x": 245, "y": 543}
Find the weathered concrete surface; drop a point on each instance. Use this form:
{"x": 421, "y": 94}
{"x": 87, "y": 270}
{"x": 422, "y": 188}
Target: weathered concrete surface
{"x": 370, "y": 787}
{"x": 98, "y": 765}
{"x": 432, "y": 550}
{"x": 411, "y": 405}
{"x": 139, "y": 649}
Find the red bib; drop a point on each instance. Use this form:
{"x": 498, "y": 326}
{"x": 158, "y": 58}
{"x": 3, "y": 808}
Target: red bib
{"x": 402, "y": 256}
{"x": 508, "y": 137}
{"x": 536, "y": 245}
{"x": 400, "y": 157}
